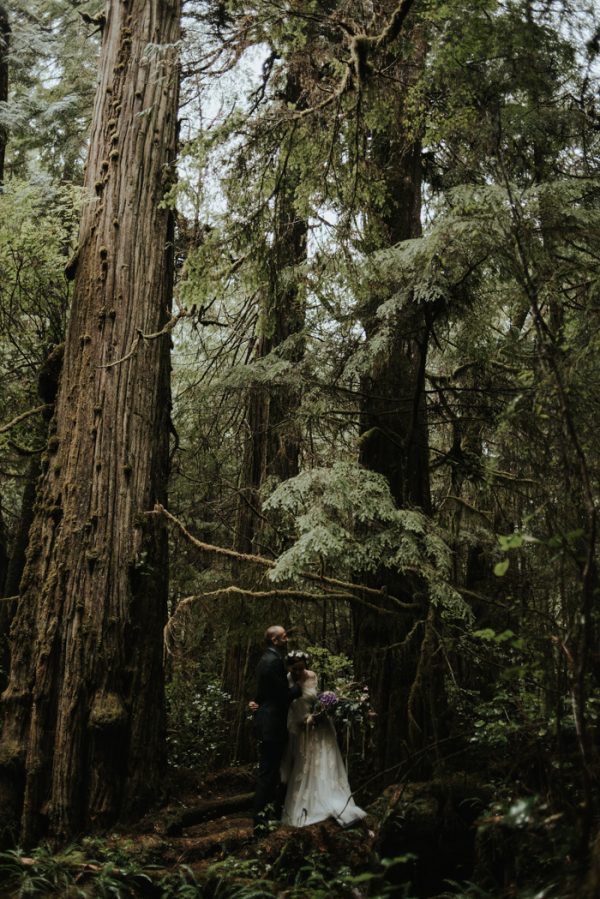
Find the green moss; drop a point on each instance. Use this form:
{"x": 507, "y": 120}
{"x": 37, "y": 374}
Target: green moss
{"x": 108, "y": 710}
{"x": 12, "y": 754}
{"x": 91, "y": 557}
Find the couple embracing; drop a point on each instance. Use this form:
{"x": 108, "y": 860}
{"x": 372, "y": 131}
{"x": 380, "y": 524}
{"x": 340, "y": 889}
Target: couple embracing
{"x": 301, "y": 773}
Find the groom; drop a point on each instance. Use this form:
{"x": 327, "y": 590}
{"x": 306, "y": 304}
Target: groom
{"x": 273, "y": 697}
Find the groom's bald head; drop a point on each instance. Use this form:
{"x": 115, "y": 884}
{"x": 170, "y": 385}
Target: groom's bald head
{"x": 275, "y": 635}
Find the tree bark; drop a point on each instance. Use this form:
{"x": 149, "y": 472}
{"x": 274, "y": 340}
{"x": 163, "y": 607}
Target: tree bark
{"x": 272, "y": 445}
{"x": 394, "y": 442}
{"x": 82, "y": 742}
{"x": 3, "y": 563}
{"x": 4, "y": 46}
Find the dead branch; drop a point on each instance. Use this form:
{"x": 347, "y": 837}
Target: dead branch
{"x": 184, "y": 604}
{"x": 23, "y": 416}
{"x": 269, "y": 563}
{"x": 143, "y": 337}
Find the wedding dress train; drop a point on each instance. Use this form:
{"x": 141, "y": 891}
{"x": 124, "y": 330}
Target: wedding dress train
{"x": 313, "y": 768}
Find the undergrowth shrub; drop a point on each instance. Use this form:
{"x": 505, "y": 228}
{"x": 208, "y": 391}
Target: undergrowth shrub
{"x": 197, "y": 730}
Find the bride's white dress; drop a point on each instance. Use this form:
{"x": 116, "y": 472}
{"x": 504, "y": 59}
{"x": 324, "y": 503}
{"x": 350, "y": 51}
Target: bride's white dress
{"x": 313, "y": 768}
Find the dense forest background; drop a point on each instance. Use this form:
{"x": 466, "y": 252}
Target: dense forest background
{"x": 299, "y": 325}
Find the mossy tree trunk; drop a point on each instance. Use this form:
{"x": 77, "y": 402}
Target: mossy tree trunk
{"x": 394, "y": 443}
{"x": 4, "y": 46}
{"x": 272, "y": 442}
{"x": 82, "y": 742}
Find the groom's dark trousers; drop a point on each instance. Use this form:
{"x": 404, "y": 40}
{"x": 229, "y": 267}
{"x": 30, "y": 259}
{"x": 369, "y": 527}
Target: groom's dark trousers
{"x": 273, "y": 696}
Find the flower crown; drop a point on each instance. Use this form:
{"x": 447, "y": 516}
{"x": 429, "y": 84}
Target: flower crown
{"x": 297, "y": 655}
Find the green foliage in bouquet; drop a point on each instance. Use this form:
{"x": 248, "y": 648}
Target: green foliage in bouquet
{"x": 342, "y": 699}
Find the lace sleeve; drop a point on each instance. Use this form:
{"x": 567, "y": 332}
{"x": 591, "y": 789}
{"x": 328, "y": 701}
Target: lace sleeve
{"x": 310, "y": 686}
{"x": 301, "y": 708}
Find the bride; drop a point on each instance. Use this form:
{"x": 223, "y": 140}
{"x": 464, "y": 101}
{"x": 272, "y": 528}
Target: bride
{"x": 313, "y": 768}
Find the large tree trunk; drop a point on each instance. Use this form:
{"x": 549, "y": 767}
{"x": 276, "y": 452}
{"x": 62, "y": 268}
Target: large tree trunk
{"x": 4, "y": 45}
{"x": 272, "y": 444}
{"x": 394, "y": 442}
{"x": 271, "y": 449}
{"x": 83, "y": 734}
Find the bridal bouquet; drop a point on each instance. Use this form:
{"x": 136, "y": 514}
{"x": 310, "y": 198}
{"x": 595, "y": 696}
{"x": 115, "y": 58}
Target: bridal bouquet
{"x": 349, "y": 704}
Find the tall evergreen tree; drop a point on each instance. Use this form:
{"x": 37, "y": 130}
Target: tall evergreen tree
{"x": 83, "y": 726}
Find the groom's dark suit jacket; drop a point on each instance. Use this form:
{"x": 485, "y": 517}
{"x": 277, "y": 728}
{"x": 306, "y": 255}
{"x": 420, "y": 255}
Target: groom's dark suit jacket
{"x": 273, "y": 695}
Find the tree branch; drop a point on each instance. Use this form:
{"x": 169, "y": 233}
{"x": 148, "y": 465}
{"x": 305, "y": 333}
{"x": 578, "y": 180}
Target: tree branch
{"x": 269, "y": 563}
{"x": 23, "y": 416}
{"x": 141, "y": 336}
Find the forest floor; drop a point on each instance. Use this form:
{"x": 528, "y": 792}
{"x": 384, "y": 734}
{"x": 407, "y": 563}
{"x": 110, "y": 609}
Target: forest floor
{"x": 419, "y": 841}
{"x": 205, "y": 836}
{"x": 422, "y": 840}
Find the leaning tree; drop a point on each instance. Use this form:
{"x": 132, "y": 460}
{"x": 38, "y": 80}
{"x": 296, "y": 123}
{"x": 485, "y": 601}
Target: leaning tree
{"x": 83, "y": 711}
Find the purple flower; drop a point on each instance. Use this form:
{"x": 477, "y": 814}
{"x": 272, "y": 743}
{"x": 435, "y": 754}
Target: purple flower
{"x": 328, "y": 698}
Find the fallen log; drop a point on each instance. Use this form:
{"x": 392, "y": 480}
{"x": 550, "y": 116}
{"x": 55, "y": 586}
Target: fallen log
{"x": 207, "y": 810}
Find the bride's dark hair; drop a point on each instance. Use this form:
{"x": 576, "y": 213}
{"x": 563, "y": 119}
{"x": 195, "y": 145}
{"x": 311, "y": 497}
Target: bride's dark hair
{"x": 297, "y": 655}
